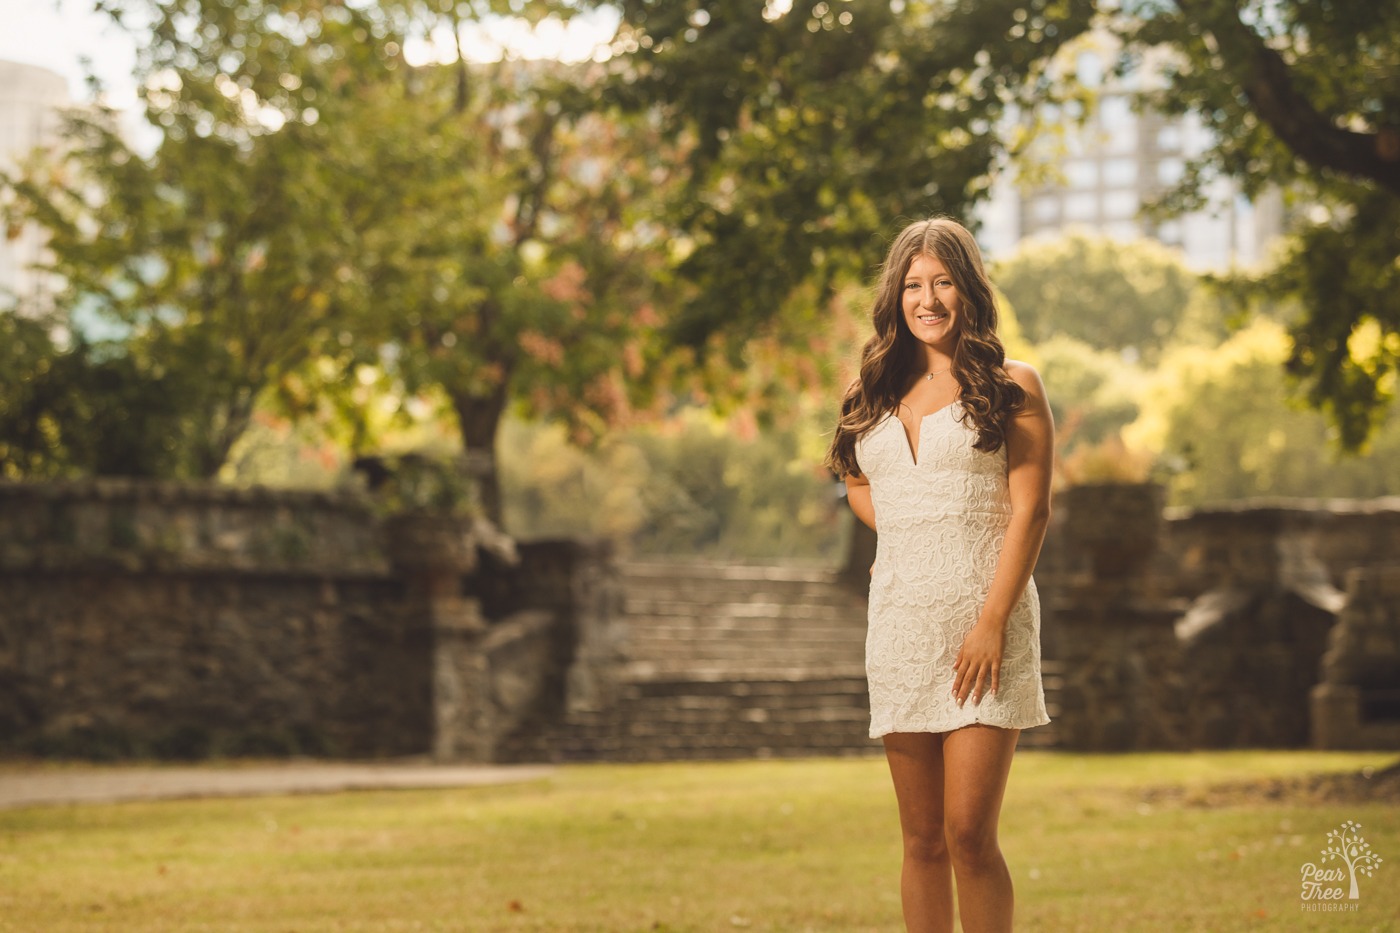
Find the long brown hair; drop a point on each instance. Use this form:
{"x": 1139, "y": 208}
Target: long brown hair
{"x": 892, "y": 356}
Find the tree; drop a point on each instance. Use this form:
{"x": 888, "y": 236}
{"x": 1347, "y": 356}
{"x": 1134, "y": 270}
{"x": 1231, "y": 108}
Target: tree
{"x": 1131, "y": 297}
{"x": 516, "y": 261}
{"x": 691, "y": 484}
{"x": 214, "y": 259}
{"x": 80, "y": 409}
{"x": 1305, "y": 96}
{"x": 1093, "y": 393}
{"x": 1221, "y": 427}
{"x": 812, "y": 131}
{"x": 316, "y": 207}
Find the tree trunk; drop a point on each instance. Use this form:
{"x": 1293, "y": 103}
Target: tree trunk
{"x": 1263, "y": 75}
{"x": 224, "y": 426}
{"x": 479, "y": 417}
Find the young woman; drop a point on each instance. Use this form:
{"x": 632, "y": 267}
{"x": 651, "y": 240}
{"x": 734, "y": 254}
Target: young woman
{"x": 945, "y": 446}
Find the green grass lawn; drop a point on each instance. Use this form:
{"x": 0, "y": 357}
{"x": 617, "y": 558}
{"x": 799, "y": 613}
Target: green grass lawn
{"x": 776, "y": 845}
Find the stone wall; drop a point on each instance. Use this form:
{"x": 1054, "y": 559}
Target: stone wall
{"x": 143, "y": 619}
{"x": 1357, "y": 704}
{"x": 1200, "y": 628}
{"x": 1267, "y": 582}
{"x": 1304, "y": 541}
{"x": 183, "y": 621}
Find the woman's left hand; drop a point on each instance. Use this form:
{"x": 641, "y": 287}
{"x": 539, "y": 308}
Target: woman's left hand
{"x": 978, "y": 664}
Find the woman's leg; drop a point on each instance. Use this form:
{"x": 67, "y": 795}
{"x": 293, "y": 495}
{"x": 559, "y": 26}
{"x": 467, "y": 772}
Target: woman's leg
{"x": 976, "y": 762}
{"x": 926, "y": 881}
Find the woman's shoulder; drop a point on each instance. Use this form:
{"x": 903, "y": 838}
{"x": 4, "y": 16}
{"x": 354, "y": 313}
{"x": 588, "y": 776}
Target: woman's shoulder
{"x": 1024, "y": 375}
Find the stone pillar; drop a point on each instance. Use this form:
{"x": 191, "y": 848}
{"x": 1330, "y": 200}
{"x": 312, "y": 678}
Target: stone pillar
{"x": 1357, "y": 704}
{"x": 432, "y": 553}
{"x": 595, "y": 595}
{"x": 1104, "y": 625}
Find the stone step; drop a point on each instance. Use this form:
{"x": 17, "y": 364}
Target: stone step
{"x": 672, "y": 605}
{"x": 839, "y": 640}
{"x": 771, "y": 637}
{"x": 706, "y": 600}
{"x": 721, "y": 641}
{"x": 730, "y": 660}
{"x": 755, "y": 719}
{"x": 731, "y": 617}
{"x": 703, "y": 650}
{"x": 693, "y": 569}
{"x": 746, "y": 669}
{"x": 659, "y": 742}
{"x": 712, "y": 716}
{"x": 821, "y": 588}
{"x": 699, "y": 649}
{"x": 751, "y": 666}
{"x": 752, "y": 662}
{"x": 688, "y": 718}
{"x": 749, "y": 689}
{"x": 703, "y": 623}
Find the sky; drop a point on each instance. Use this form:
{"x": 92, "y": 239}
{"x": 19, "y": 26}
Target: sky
{"x": 58, "y": 34}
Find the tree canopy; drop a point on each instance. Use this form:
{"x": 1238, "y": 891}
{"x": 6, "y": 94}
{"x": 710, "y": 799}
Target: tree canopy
{"x": 813, "y": 131}
{"x": 588, "y": 243}
{"x": 317, "y": 211}
{"x": 1220, "y": 426}
{"x": 213, "y": 261}
{"x": 1132, "y": 298}
{"x": 1305, "y": 96}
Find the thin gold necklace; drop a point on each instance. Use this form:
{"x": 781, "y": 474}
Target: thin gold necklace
{"x": 939, "y": 373}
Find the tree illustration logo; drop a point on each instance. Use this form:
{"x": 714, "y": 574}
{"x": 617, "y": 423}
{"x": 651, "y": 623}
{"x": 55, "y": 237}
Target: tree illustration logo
{"x": 1345, "y": 845}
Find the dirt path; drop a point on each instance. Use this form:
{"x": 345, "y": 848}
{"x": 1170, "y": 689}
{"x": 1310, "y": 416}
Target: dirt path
{"x": 39, "y": 784}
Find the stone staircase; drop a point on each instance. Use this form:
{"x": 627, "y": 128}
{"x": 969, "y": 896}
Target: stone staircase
{"x": 727, "y": 660}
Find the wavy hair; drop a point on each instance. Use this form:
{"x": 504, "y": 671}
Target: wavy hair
{"x": 892, "y": 357}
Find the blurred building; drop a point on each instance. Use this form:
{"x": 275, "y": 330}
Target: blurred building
{"x": 1099, "y": 173}
{"x": 31, "y": 99}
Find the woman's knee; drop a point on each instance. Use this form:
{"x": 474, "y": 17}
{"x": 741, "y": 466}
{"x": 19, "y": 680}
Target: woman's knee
{"x": 972, "y": 844}
{"x": 925, "y": 843}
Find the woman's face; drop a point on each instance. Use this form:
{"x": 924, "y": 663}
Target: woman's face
{"x": 932, "y": 305}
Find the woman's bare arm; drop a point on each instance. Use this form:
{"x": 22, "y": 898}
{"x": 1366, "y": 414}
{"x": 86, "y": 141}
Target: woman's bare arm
{"x": 858, "y": 495}
{"x": 1030, "y": 451}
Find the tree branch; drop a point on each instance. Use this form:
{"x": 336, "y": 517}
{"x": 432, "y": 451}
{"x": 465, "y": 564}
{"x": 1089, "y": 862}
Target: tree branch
{"x": 1264, "y": 77}
{"x": 532, "y": 199}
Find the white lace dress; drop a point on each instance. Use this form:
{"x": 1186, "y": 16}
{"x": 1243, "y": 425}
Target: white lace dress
{"x": 940, "y": 524}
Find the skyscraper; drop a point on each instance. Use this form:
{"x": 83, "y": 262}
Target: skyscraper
{"x": 31, "y": 99}
{"x": 1108, "y": 161}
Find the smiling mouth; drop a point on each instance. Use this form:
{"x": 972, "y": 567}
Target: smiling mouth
{"x": 935, "y": 318}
